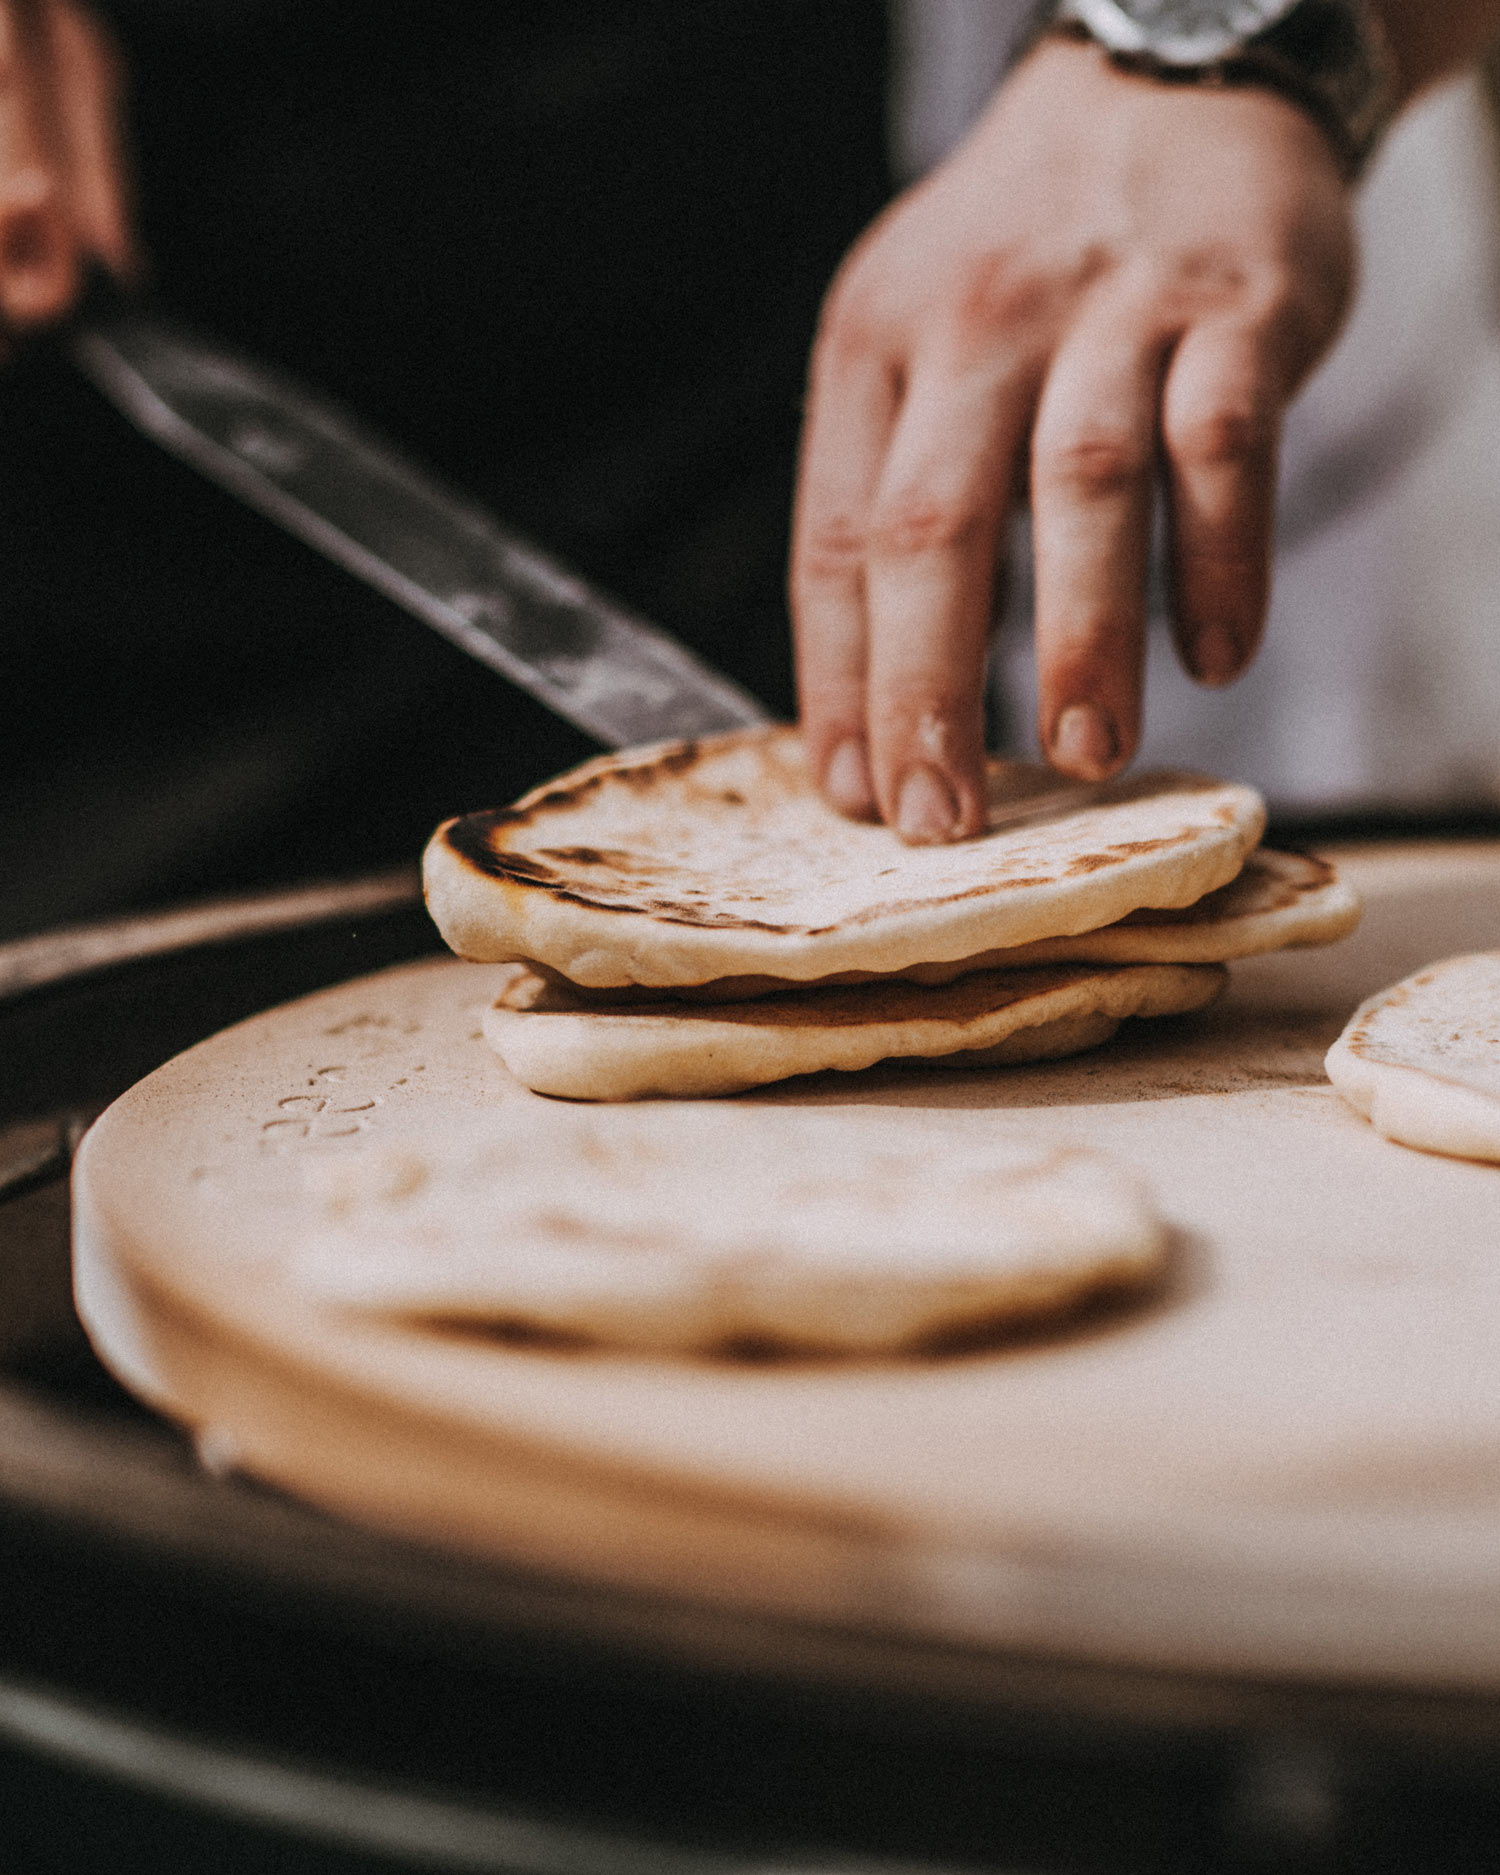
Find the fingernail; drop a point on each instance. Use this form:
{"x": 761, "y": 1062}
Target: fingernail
{"x": 28, "y": 265}
{"x": 846, "y": 780}
{"x": 1084, "y": 741}
{"x": 926, "y": 812}
{"x": 27, "y": 243}
{"x": 1216, "y": 655}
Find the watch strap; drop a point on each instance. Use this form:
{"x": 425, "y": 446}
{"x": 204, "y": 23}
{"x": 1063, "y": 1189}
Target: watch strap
{"x": 1330, "y": 57}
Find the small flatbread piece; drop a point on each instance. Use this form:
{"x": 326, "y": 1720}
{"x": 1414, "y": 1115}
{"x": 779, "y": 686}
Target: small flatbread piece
{"x": 555, "y": 1043}
{"x": 838, "y": 1232}
{"x": 701, "y": 860}
{"x": 1421, "y": 1060}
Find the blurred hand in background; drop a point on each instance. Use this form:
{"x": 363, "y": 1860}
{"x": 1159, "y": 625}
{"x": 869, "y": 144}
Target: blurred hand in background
{"x": 63, "y": 195}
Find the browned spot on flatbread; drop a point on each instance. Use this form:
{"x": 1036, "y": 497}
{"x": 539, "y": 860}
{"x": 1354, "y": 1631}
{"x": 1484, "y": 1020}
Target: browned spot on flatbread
{"x": 1125, "y": 849}
{"x": 470, "y": 838}
{"x": 647, "y": 774}
{"x": 634, "y": 775}
{"x": 520, "y": 867}
{"x": 584, "y": 855}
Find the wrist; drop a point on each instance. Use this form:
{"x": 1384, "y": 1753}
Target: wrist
{"x": 1329, "y": 57}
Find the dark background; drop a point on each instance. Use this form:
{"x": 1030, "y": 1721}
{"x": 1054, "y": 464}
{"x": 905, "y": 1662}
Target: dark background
{"x": 567, "y": 252}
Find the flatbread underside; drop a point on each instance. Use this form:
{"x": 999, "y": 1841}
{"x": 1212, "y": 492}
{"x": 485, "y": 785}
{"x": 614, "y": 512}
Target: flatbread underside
{"x": 555, "y": 1044}
{"x": 1421, "y": 1060}
{"x": 696, "y": 861}
{"x": 849, "y": 1233}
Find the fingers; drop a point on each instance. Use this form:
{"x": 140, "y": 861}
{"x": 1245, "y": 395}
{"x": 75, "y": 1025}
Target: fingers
{"x": 930, "y": 569}
{"x": 38, "y": 268}
{"x": 851, "y": 410}
{"x": 893, "y": 571}
{"x": 895, "y": 564}
{"x": 1093, "y": 475}
{"x": 1221, "y": 411}
{"x": 88, "y": 90}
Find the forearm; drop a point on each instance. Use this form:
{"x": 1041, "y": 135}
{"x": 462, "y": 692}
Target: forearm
{"x": 1431, "y": 38}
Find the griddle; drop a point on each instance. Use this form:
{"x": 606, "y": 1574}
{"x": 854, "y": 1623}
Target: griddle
{"x": 196, "y": 1671}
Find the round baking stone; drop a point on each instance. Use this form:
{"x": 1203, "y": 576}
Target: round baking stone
{"x": 1287, "y": 1464}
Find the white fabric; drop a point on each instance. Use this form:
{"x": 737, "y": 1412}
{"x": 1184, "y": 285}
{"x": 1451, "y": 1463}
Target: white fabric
{"x": 1379, "y": 682}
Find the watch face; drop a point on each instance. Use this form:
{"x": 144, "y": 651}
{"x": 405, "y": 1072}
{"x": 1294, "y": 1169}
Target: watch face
{"x": 1178, "y": 32}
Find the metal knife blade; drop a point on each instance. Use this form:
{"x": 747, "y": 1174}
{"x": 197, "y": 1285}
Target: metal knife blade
{"x": 306, "y": 464}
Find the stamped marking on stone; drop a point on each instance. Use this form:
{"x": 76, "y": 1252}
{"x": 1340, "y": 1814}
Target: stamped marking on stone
{"x": 309, "y": 1119}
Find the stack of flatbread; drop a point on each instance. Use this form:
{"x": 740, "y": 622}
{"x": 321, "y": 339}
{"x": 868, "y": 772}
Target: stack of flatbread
{"x": 693, "y": 919}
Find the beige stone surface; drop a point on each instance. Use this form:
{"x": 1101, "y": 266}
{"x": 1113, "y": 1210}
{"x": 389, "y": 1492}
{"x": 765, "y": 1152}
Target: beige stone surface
{"x": 1285, "y": 1461}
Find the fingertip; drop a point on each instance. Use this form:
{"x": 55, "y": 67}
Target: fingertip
{"x": 929, "y": 773}
{"x": 971, "y": 812}
{"x": 38, "y": 270}
{"x": 846, "y": 780}
{"x": 1086, "y": 743}
{"x": 1216, "y": 655}
{"x": 926, "y": 810}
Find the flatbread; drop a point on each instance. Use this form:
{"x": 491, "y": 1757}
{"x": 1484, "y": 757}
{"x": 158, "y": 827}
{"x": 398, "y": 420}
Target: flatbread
{"x": 1421, "y": 1060}
{"x": 701, "y": 860}
{"x": 555, "y": 1043}
{"x": 1279, "y": 901}
{"x": 846, "y": 1232}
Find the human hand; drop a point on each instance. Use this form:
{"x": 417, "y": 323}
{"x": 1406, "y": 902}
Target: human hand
{"x": 62, "y": 173}
{"x": 1114, "y": 284}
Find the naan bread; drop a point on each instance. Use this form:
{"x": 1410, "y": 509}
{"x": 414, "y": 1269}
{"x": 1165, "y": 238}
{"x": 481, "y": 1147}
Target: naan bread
{"x": 555, "y": 1043}
{"x": 843, "y": 1232}
{"x": 1421, "y": 1060}
{"x": 1280, "y": 901}
{"x": 690, "y": 862}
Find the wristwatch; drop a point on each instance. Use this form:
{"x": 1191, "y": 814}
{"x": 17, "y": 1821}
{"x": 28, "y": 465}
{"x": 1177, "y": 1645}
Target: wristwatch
{"x": 1329, "y": 56}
